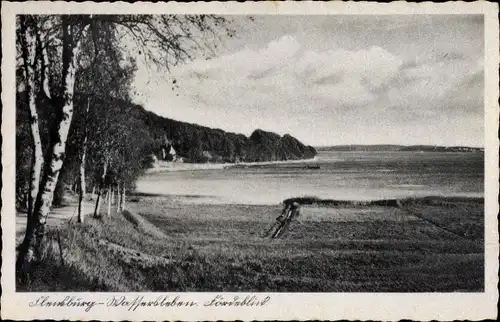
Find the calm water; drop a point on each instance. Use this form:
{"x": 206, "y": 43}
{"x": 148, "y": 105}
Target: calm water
{"x": 342, "y": 175}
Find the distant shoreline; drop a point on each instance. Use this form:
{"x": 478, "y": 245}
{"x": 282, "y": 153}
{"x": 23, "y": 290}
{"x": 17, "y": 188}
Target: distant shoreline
{"x": 399, "y": 148}
{"x": 175, "y": 166}
{"x": 312, "y": 201}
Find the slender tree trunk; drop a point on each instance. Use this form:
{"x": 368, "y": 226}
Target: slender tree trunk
{"x": 44, "y": 62}
{"x": 92, "y": 195}
{"x": 113, "y": 196}
{"x": 118, "y": 198}
{"x": 29, "y": 56}
{"x": 110, "y": 196}
{"x": 122, "y": 199}
{"x": 26, "y": 200}
{"x": 82, "y": 168}
{"x": 28, "y": 44}
{"x": 81, "y": 207}
{"x": 97, "y": 208}
{"x": 30, "y": 248}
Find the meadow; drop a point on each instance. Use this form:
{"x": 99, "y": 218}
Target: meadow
{"x": 160, "y": 244}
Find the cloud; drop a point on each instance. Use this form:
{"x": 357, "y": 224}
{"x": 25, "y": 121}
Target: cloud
{"x": 247, "y": 62}
{"x": 373, "y": 66}
{"x": 437, "y": 85}
{"x": 286, "y": 85}
{"x": 283, "y": 74}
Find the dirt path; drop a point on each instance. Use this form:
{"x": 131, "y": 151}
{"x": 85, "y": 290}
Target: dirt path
{"x": 56, "y": 218}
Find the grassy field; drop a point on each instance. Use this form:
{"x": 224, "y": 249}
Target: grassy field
{"x": 426, "y": 245}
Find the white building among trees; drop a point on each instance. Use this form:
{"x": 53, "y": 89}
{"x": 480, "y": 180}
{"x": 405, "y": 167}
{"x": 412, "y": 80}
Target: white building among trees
{"x": 167, "y": 151}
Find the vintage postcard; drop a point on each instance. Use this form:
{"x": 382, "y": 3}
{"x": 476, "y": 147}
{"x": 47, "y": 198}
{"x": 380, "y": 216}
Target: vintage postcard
{"x": 250, "y": 161}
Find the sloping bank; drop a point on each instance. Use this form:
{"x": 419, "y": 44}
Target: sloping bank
{"x": 127, "y": 253}
{"x": 99, "y": 255}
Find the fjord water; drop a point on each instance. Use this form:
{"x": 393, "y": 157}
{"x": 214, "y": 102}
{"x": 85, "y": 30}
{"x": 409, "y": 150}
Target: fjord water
{"x": 341, "y": 175}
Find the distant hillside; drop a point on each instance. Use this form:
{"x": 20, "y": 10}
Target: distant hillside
{"x": 197, "y": 143}
{"x": 389, "y": 147}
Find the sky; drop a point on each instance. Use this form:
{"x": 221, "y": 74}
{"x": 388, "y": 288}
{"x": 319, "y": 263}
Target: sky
{"x": 338, "y": 79}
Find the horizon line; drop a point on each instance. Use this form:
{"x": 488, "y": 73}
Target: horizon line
{"x": 396, "y": 144}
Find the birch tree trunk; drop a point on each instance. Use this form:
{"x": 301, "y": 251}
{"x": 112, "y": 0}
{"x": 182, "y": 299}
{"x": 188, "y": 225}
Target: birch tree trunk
{"x": 29, "y": 58}
{"x": 122, "y": 206}
{"x": 44, "y": 62}
{"x": 118, "y": 198}
{"x": 30, "y": 248}
{"x": 110, "y": 194}
{"x": 82, "y": 169}
{"x": 81, "y": 207}
{"x": 81, "y": 195}
{"x": 97, "y": 208}
{"x": 92, "y": 195}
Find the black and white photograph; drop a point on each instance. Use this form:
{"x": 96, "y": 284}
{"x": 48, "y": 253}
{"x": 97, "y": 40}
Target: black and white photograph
{"x": 247, "y": 153}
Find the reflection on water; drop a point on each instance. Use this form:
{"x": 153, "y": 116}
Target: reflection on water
{"x": 342, "y": 175}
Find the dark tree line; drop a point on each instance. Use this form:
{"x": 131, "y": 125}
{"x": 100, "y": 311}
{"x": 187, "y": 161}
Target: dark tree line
{"x": 191, "y": 141}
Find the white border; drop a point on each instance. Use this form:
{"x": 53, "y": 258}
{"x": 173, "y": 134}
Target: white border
{"x": 289, "y": 306}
